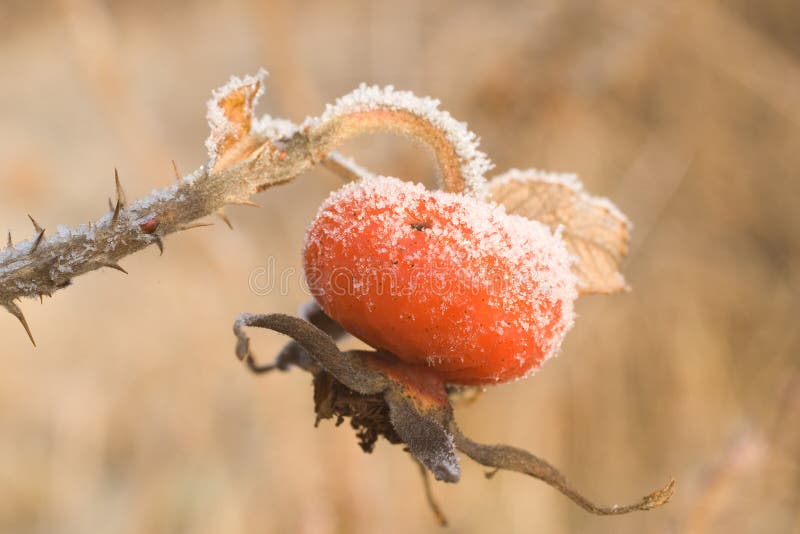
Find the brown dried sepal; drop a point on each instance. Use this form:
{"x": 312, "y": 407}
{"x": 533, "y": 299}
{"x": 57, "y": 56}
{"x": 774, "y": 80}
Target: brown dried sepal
{"x": 594, "y": 230}
{"x": 231, "y": 120}
{"x": 383, "y": 396}
{"x": 375, "y": 390}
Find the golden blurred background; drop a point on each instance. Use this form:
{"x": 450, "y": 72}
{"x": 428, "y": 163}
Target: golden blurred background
{"x": 133, "y": 414}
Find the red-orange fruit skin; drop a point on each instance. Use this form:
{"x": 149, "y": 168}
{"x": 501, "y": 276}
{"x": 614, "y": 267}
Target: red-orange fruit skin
{"x": 374, "y": 265}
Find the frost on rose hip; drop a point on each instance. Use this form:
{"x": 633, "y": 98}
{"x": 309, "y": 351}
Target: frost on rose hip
{"x": 441, "y": 279}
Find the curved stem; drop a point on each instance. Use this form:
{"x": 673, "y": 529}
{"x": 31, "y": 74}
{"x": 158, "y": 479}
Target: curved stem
{"x": 403, "y": 123}
{"x": 371, "y": 109}
{"x": 514, "y": 459}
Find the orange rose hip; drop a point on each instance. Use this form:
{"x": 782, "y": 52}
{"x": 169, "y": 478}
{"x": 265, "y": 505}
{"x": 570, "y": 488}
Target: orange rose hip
{"x": 441, "y": 280}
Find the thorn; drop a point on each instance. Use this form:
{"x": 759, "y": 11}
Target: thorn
{"x": 37, "y": 242}
{"x": 194, "y": 225}
{"x": 120, "y": 192}
{"x": 16, "y": 312}
{"x": 41, "y": 298}
{"x": 115, "y": 217}
{"x": 35, "y": 224}
{"x": 10, "y": 243}
{"x": 160, "y": 245}
{"x": 248, "y": 203}
{"x": 226, "y": 220}
{"x": 175, "y": 168}
{"x": 114, "y": 266}
{"x": 38, "y": 237}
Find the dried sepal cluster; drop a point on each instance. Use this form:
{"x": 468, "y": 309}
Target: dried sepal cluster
{"x": 246, "y": 156}
{"x": 403, "y": 403}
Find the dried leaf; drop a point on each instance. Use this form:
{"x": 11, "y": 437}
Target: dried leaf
{"x": 230, "y": 117}
{"x": 595, "y": 231}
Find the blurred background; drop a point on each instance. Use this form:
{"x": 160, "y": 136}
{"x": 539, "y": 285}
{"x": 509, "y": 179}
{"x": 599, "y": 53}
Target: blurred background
{"x": 133, "y": 415}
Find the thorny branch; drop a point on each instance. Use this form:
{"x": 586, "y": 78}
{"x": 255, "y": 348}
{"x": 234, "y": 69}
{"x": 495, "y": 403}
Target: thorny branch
{"x": 246, "y": 156}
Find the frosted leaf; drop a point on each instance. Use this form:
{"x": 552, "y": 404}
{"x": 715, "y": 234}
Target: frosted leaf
{"x": 473, "y": 163}
{"x": 230, "y": 113}
{"x": 595, "y": 231}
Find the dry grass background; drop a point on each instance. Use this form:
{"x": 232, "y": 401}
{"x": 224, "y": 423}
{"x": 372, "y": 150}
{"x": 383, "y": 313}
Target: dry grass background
{"x": 133, "y": 414}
